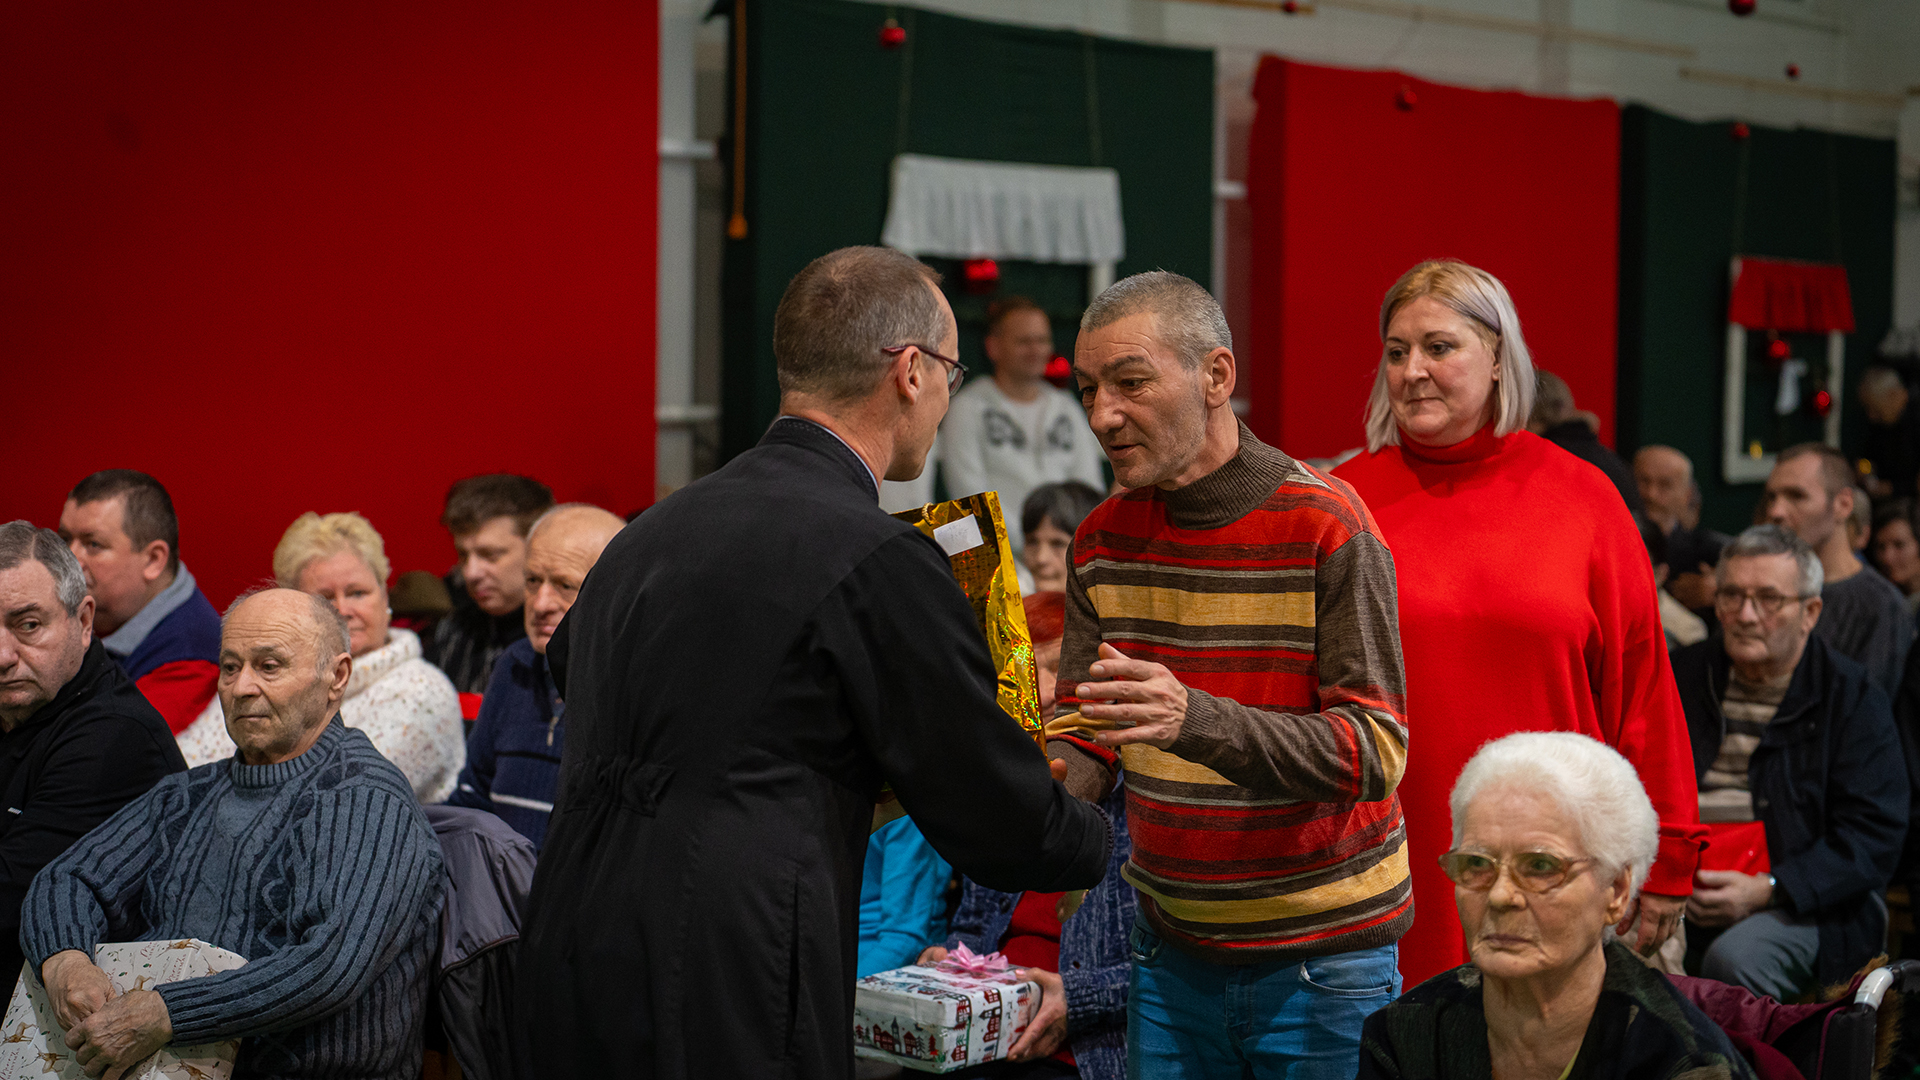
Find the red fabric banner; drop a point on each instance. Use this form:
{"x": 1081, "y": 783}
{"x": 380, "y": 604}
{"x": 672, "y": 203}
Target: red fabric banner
{"x": 1355, "y": 176}
{"x": 1796, "y": 297}
{"x": 293, "y": 257}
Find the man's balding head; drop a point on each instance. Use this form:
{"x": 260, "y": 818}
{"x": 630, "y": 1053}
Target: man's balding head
{"x": 284, "y": 663}
{"x": 1665, "y": 479}
{"x": 561, "y": 547}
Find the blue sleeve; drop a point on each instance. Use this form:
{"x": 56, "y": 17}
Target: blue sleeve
{"x": 978, "y": 907}
{"x": 97, "y": 883}
{"x": 474, "y": 789}
{"x": 913, "y": 886}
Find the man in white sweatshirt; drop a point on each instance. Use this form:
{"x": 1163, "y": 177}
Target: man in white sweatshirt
{"x": 1015, "y": 431}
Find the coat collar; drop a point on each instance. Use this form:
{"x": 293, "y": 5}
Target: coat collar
{"x": 804, "y": 433}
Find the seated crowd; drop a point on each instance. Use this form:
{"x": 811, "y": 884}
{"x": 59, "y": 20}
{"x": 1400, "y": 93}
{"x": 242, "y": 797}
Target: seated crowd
{"x": 257, "y": 782}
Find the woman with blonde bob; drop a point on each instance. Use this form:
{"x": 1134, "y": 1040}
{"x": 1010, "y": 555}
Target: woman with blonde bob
{"x": 1526, "y": 598}
{"x": 1553, "y": 836}
{"x": 403, "y": 704}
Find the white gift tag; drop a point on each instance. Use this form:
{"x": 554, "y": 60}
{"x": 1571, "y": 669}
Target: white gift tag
{"x": 957, "y": 536}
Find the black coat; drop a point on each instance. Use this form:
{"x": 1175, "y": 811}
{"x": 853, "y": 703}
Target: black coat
{"x": 1642, "y": 1028}
{"x": 77, "y": 760}
{"x": 746, "y": 665}
{"x": 1828, "y": 780}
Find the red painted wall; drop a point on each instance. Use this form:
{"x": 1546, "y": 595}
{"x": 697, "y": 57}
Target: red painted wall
{"x": 292, "y": 257}
{"x": 1347, "y": 189}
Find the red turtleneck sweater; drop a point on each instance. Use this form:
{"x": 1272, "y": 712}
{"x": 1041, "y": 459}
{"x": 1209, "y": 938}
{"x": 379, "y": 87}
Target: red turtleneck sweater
{"x": 1527, "y": 603}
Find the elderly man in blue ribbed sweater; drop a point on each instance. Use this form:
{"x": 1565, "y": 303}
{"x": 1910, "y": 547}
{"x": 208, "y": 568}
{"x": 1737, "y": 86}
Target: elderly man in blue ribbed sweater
{"x": 305, "y": 852}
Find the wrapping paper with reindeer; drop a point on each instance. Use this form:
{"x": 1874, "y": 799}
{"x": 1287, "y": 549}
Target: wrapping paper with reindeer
{"x": 33, "y": 1045}
{"x": 963, "y": 1011}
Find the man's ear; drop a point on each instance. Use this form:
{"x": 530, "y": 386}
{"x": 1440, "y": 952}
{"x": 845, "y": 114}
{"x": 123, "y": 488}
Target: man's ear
{"x": 85, "y": 614}
{"x": 154, "y": 557}
{"x": 340, "y": 671}
{"x": 907, "y": 376}
{"x": 1219, "y": 374}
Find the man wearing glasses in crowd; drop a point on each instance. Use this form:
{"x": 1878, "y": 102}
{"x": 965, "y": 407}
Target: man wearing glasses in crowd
{"x": 1802, "y": 781}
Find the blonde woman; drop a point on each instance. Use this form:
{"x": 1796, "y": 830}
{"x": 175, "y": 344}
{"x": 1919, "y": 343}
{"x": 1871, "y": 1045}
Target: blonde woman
{"x": 403, "y": 704}
{"x": 1526, "y": 598}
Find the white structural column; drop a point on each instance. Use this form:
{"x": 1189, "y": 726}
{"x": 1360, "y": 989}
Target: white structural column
{"x": 675, "y": 411}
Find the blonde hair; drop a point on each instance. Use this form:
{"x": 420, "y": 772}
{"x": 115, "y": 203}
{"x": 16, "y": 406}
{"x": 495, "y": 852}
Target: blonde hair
{"x": 1482, "y": 300}
{"x": 312, "y": 536}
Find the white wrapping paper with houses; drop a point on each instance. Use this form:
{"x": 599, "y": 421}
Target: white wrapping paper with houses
{"x": 33, "y": 1045}
{"x": 965, "y": 1010}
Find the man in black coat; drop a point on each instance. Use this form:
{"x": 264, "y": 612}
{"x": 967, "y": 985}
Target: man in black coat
{"x": 745, "y": 667}
{"x": 77, "y": 739}
{"x": 1788, "y": 732}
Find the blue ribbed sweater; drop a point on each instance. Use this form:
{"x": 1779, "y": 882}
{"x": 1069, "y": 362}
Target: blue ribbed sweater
{"x": 321, "y": 871}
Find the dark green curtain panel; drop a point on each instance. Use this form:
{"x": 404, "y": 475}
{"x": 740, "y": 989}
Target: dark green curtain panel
{"x": 828, "y": 108}
{"x": 1692, "y": 196}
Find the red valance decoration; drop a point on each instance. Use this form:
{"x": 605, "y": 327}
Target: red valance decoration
{"x": 1795, "y": 297}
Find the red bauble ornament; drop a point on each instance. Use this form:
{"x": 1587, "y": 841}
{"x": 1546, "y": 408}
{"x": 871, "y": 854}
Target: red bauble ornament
{"x": 1822, "y": 402}
{"x": 892, "y": 35}
{"x": 1406, "y": 99}
{"x": 1777, "y": 349}
{"x": 981, "y": 275}
{"x": 1793, "y": 71}
{"x": 1739, "y": 132}
{"x": 1290, "y": 7}
{"x": 1058, "y": 370}
{"x": 1741, "y": 8}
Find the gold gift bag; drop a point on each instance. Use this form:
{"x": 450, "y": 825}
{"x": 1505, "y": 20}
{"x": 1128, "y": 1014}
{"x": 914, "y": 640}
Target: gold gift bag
{"x": 974, "y": 536}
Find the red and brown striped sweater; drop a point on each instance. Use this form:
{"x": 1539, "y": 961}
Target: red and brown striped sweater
{"x": 1269, "y": 830}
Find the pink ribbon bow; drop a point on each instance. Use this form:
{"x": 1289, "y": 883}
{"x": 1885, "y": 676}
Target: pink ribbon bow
{"x": 965, "y": 961}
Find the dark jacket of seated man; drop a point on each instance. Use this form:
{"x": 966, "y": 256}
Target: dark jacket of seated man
{"x": 321, "y": 870}
{"x": 1828, "y": 781}
{"x": 513, "y": 755}
{"x": 83, "y": 755}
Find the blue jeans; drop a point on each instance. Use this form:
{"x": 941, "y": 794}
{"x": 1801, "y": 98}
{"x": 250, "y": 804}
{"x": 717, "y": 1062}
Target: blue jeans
{"x": 1187, "y": 1018}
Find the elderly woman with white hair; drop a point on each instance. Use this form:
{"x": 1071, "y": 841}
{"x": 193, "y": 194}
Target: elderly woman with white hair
{"x": 1553, "y": 835}
{"x": 405, "y": 705}
{"x": 1526, "y": 598}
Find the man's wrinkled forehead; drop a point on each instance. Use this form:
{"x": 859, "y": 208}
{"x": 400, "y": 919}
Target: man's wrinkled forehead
{"x": 264, "y": 625}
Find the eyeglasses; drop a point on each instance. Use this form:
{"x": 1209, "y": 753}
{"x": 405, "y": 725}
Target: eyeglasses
{"x": 1766, "y": 602}
{"x": 1534, "y": 871}
{"x": 956, "y": 371}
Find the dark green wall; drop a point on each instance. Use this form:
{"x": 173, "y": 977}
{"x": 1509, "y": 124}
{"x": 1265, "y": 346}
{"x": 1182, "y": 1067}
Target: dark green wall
{"x": 828, "y": 109}
{"x": 1691, "y": 197}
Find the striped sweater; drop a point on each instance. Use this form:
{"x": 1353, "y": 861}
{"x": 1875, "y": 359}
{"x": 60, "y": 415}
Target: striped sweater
{"x": 321, "y": 871}
{"x": 1269, "y": 830}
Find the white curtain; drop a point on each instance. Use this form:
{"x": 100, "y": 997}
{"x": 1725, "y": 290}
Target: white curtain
{"x": 1002, "y": 210}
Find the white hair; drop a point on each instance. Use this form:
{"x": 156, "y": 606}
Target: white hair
{"x": 1590, "y": 781}
{"x": 1482, "y": 300}
{"x": 1760, "y": 541}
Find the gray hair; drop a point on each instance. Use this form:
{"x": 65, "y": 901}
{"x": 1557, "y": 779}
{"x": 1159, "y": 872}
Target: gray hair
{"x": 1590, "y": 781}
{"x": 843, "y": 309}
{"x": 1482, "y": 300}
{"x": 1763, "y": 540}
{"x": 329, "y": 626}
{"x": 20, "y": 541}
{"x": 1187, "y": 316}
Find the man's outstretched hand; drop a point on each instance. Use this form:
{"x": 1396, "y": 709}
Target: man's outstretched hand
{"x": 1137, "y": 701}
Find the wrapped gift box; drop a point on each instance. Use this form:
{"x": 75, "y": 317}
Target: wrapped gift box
{"x": 33, "y": 1044}
{"x": 943, "y": 1017}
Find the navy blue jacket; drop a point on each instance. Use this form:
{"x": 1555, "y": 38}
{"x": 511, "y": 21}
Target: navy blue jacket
{"x": 513, "y": 754}
{"x": 189, "y": 632}
{"x": 1095, "y": 962}
{"x": 1829, "y": 782}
